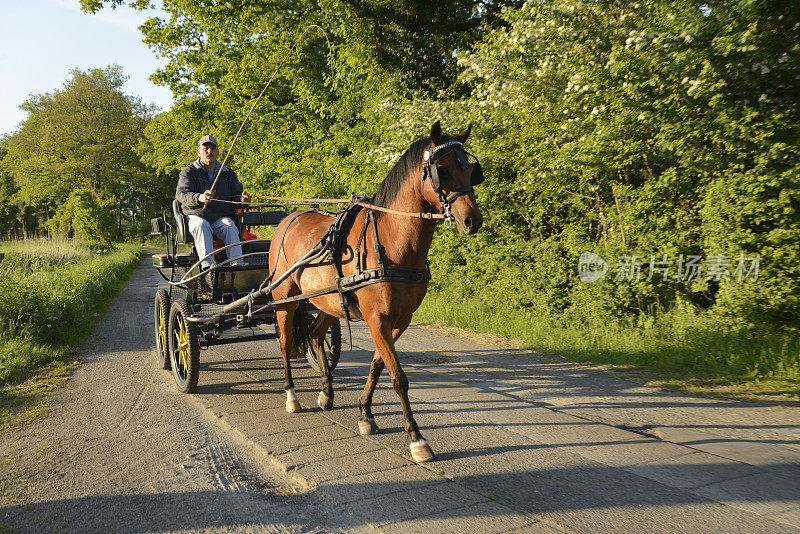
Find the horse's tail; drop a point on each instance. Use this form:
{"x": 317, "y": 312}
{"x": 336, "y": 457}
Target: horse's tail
{"x": 301, "y": 331}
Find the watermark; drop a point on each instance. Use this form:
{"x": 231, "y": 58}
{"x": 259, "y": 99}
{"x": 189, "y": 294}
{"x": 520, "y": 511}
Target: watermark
{"x": 591, "y": 267}
{"x": 663, "y": 267}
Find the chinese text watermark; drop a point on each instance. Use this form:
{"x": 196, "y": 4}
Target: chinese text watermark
{"x": 685, "y": 267}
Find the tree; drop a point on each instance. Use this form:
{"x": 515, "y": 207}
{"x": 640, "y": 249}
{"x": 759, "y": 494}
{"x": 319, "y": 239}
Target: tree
{"x": 644, "y": 128}
{"x": 10, "y": 212}
{"x": 80, "y": 138}
{"x": 638, "y": 129}
{"x": 313, "y": 132}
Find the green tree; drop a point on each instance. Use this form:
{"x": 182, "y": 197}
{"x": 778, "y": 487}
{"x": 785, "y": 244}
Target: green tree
{"x": 82, "y": 215}
{"x": 81, "y": 138}
{"x": 639, "y": 129}
{"x": 10, "y": 211}
{"x": 313, "y": 132}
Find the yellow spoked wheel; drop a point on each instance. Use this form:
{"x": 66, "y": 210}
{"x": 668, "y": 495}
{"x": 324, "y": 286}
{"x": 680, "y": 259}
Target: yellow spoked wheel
{"x": 184, "y": 347}
{"x": 161, "y": 318}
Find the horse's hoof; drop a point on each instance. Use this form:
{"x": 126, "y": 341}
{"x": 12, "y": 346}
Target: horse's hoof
{"x": 368, "y": 427}
{"x": 421, "y": 452}
{"x": 293, "y": 406}
{"x": 324, "y": 402}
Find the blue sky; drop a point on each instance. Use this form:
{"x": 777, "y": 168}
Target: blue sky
{"x": 43, "y": 40}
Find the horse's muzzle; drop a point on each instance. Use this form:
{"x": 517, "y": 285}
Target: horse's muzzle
{"x": 469, "y": 224}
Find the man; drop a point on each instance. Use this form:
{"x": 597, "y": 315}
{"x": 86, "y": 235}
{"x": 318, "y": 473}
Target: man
{"x": 206, "y": 217}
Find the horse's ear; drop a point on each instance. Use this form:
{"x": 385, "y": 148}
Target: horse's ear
{"x": 462, "y": 137}
{"x": 436, "y": 133}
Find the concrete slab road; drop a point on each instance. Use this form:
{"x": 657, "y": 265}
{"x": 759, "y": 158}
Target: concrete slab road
{"x": 523, "y": 442}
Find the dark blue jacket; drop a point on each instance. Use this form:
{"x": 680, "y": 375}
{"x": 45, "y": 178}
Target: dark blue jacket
{"x": 194, "y": 180}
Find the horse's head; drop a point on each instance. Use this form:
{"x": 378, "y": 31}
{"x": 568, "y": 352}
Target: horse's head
{"x": 450, "y": 176}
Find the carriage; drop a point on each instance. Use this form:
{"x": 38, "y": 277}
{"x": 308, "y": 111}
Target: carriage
{"x": 190, "y": 315}
{"x": 368, "y": 262}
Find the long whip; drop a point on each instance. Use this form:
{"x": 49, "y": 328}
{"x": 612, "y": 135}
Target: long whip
{"x": 264, "y": 90}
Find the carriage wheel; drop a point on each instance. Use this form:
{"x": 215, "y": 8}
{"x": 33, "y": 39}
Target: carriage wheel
{"x": 161, "y": 320}
{"x": 184, "y": 347}
{"x": 333, "y": 346}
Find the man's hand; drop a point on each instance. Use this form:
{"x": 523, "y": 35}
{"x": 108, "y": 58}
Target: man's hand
{"x": 206, "y": 196}
{"x": 245, "y": 196}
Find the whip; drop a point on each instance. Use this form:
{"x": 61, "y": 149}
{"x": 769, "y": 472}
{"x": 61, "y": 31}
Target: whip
{"x": 264, "y": 90}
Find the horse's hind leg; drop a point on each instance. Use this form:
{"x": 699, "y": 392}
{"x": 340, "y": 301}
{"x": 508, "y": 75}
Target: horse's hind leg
{"x": 382, "y": 335}
{"x": 284, "y": 318}
{"x": 319, "y": 329}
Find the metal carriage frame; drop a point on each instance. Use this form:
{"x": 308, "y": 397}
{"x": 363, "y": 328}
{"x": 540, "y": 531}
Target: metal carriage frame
{"x": 189, "y": 317}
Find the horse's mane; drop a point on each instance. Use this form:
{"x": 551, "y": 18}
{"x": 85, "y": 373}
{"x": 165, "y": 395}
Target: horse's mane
{"x": 406, "y": 165}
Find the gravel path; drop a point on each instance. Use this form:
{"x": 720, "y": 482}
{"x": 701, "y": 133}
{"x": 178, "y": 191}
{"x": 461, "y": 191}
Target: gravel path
{"x": 122, "y": 451}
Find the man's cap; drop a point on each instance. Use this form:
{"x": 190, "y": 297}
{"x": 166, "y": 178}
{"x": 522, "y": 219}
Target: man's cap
{"x": 207, "y": 139}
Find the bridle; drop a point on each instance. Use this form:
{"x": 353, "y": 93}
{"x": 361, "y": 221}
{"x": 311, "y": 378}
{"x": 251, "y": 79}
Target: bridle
{"x": 438, "y": 175}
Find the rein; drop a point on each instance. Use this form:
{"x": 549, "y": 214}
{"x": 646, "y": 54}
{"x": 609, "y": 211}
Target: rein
{"x": 418, "y": 215}
{"x": 429, "y": 171}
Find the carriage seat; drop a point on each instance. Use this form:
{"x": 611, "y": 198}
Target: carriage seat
{"x": 181, "y": 225}
{"x": 248, "y": 218}
{"x": 260, "y": 218}
{"x": 182, "y": 234}
{"x": 263, "y": 218}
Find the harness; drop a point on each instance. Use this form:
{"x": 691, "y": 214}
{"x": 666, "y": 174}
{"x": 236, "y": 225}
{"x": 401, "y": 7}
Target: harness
{"x": 332, "y": 244}
{"x": 333, "y": 240}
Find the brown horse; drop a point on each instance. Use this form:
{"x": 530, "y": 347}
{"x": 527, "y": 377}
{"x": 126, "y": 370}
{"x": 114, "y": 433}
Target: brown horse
{"x": 433, "y": 176}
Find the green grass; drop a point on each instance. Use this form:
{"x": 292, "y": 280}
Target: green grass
{"x": 50, "y": 292}
{"x": 687, "y": 352}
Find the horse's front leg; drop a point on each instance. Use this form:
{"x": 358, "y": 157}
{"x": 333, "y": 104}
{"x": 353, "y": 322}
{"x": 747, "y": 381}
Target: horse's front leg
{"x": 382, "y": 334}
{"x": 366, "y": 423}
{"x": 284, "y": 319}
{"x": 318, "y": 332}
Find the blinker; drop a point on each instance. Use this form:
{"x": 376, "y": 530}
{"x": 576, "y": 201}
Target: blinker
{"x": 462, "y": 158}
{"x": 439, "y": 175}
{"x": 477, "y": 174}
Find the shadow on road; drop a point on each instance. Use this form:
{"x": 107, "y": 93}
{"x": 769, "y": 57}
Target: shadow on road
{"x": 536, "y": 492}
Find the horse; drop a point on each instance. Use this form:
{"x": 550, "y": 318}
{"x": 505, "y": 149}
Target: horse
{"x": 433, "y": 176}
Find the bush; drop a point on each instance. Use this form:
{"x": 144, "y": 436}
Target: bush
{"x": 84, "y": 216}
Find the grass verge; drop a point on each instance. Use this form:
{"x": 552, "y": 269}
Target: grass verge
{"x": 692, "y": 354}
{"x": 50, "y": 293}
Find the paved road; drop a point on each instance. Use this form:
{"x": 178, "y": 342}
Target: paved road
{"x": 524, "y": 443}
